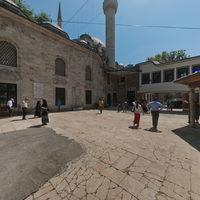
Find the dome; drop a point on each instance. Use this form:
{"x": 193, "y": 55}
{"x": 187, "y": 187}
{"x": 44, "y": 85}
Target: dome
{"x": 12, "y": 2}
{"x": 83, "y": 41}
{"x": 98, "y": 41}
{"x": 110, "y": 4}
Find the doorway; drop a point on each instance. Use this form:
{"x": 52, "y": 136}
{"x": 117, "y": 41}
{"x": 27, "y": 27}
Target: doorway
{"x": 115, "y": 99}
{"x": 130, "y": 97}
{"x": 109, "y": 99}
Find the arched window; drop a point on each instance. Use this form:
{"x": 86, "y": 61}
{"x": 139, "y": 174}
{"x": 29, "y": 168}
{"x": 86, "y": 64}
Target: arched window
{"x": 8, "y": 54}
{"x": 60, "y": 67}
{"x": 88, "y": 73}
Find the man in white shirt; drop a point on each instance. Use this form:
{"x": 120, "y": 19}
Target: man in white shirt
{"x": 155, "y": 106}
{"x": 10, "y": 106}
{"x": 24, "y": 108}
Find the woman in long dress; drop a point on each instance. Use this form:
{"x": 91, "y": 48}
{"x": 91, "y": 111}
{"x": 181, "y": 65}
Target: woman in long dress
{"x": 137, "y": 114}
{"x": 44, "y": 112}
{"x": 38, "y": 109}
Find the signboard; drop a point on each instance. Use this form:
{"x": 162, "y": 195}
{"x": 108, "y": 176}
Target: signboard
{"x": 38, "y": 90}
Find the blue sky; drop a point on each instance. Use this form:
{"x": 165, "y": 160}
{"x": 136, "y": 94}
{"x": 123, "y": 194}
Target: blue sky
{"x": 133, "y": 45}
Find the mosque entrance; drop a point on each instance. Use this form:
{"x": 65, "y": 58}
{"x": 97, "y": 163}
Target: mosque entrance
{"x": 115, "y": 99}
{"x": 109, "y": 99}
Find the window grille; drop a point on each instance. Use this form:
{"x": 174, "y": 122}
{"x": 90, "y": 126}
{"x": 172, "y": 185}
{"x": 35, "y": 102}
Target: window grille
{"x": 8, "y": 54}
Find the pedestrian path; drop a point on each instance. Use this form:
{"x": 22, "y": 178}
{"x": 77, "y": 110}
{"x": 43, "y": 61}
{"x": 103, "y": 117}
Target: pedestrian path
{"x": 121, "y": 163}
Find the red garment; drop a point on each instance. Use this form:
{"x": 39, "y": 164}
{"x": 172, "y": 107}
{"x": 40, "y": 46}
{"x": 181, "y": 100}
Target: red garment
{"x": 137, "y": 118}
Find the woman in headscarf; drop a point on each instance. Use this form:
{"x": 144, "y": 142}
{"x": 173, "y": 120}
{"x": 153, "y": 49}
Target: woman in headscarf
{"x": 44, "y": 112}
{"x": 38, "y": 109}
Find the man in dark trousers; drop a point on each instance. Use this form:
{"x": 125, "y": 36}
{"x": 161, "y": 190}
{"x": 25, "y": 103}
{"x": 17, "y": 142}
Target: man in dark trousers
{"x": 24, "y": 108}
{"x": 155, "y": 106}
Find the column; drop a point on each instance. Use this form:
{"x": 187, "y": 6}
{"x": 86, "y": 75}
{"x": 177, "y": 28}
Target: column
{"x": 192, "y": 107}
{"x": 175, "y": 73}
{"x": 190, "y": 70}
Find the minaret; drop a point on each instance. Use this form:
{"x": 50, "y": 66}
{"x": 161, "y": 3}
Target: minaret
{"x": 59, "y": 20}
{"x": 110, "y": 9}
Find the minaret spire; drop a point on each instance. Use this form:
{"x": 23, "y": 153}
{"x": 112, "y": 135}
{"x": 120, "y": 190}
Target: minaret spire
{"x": 59, "y": 20}
{"x": 110, "y": 9}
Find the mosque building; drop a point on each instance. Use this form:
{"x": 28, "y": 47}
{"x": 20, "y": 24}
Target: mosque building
{"x": 41, "y": 61}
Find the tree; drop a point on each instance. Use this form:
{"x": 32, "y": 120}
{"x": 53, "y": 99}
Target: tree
{"x": 39, "y": 18}
{"x": 42, "y": 17}
{"x": 165, "y": 56}
{"x": 25, "y": 9}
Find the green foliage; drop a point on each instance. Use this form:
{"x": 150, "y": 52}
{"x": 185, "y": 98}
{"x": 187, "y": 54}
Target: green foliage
{"x": 25, "y": 9}
{"x": 165, "y": 57}
{"x": 130, "y": 66}
{"x": 39, "y": 18}
{"x": 42, "y": 17}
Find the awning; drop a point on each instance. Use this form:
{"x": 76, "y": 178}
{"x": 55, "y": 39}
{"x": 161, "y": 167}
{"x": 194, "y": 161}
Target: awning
{"x": 192, "y": 80}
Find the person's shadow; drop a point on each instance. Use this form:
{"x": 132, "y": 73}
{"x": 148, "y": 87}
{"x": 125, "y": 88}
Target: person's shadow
{"x": 133, "y": 127}
{"x": 16, "y": 120}
{"x": 37, "y": 126}
{"x": 153, "y": 131}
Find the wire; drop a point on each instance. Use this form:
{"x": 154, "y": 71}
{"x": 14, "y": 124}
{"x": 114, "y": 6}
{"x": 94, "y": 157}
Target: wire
{"x": 91, "y": 20}
{"x": 129, "y": 25}
{"x": 168, "y": 27}
{"x": 89, "y": 23}
{"x": 83, "y": 5}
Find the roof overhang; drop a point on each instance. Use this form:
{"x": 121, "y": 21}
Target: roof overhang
{"x": 192, "y": 80}
{"x": 122, "y": 73}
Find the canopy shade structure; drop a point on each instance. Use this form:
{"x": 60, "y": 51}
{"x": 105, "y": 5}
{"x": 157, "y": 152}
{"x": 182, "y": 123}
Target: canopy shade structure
{"x": 192, "y": 80}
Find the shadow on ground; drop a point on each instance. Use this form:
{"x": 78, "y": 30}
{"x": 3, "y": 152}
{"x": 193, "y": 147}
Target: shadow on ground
{"x": 37, "y": 126}
{"x": 29, "y": 158}
{"x": 190, "y": 135}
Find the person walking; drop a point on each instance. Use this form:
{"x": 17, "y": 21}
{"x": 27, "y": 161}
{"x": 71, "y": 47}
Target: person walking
{"x": 10, "y": 104}
{"x": 125, "y": 106}
{"x": 197, "y": 111}
{"x": 155, "y": 106}
{"x": 24, "y": 108}
{"x": 137, "y": 113}
{"x": 44, "y": 112}
{"x": 38, "y": 109}
{"x": 101, "y": 105}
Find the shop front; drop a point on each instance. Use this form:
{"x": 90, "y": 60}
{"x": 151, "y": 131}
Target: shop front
{"x": 7, "y": 91}
{"x": 193, "y": 81}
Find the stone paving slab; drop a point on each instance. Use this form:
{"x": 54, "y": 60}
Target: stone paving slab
{"x": 122, "y": 163}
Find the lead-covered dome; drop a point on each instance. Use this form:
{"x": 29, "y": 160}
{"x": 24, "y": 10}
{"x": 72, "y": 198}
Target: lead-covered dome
{"x": 110, "y": 4}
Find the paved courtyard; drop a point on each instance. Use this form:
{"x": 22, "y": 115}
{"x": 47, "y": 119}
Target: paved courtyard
{"x": 121, "y": 163}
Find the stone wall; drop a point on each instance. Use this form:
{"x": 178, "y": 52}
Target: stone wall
{"x": 37, "y": 50}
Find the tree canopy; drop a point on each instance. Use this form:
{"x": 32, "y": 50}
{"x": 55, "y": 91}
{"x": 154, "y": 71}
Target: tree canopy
{"x": 39, "y": 18}
{"x": 165, "y": 56}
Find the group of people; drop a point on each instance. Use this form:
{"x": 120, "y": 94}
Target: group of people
{"x": 41, "y": 109}
{"x": 154, "y": 107}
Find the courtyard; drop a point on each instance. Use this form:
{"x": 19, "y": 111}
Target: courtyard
{"x": 119, "y": 162}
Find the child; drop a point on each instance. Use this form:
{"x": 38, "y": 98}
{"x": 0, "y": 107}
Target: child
{"x": 137, "y": 112}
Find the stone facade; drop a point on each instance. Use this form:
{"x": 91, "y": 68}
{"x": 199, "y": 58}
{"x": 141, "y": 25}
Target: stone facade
{"x": 37, "y": 50}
